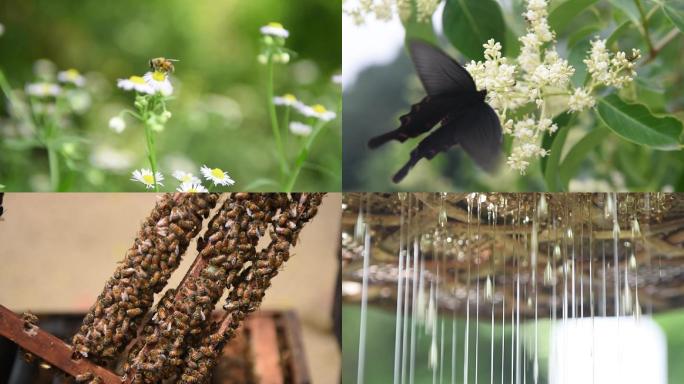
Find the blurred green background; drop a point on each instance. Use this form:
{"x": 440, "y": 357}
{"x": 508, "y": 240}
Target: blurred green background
{"x": 380, "y": 348}
{"x": 219, "y": 115}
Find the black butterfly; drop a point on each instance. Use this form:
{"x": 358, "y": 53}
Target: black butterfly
{"x": 452, "y": 100}
{"x": 2, "y": 210}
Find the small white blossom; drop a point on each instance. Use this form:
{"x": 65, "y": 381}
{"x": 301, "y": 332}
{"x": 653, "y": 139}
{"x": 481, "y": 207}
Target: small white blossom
{"x": 287, "y": 99}
{"x": 145, "y": 176}
{"x": 135, "y": 83}
{"x": 274, "y": 29}
{"x": 337, "y": 79}
{"x": 43, "y": 89}
{"x": 117, "y": 124}
{"x": 217, "y": 176}
{"x": 580, "y": 100}
{"x": 159, "y": 82}
{"x": 318, "y": 111}
{"x": 192, "y": 188}
{"x": 71, "y": 76}
{"x": 186, "y": 177}
{"x": 300, "y": 129}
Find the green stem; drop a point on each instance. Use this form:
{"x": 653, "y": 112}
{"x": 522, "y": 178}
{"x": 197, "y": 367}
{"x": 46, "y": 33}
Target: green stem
{"x": 644, "y": 27}
{"x": 149, "y": 141}
{"x": 303, "y": 154}
{"x": 53, "y": 161}
{"x": 286, "y": 124}
{"x": 274, "y": 120}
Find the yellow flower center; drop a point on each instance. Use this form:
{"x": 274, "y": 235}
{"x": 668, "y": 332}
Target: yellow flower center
{"x": 137, "y": 79}
{"x": 158, "y": 76}
{"x": 319, "y": 108}
{"x": 148, "y": 179}
{"x": 290, "y": 97}
{"x": 192, "y": 190}
{"x": 276, "y": 25}
{"x": 46, "y": 88}
{"x": 186, "y": 178}
{"x": 217, "y": 173}
{"x": 72, "y": 73}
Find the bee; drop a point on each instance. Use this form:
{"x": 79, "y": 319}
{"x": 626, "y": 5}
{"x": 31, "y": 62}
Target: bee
{"x": 162, "y": 64}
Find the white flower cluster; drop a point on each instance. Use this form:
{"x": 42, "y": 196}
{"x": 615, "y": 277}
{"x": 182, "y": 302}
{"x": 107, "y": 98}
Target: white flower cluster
{"x": 537, "y": 73}
{"x": 384, "y": 10}
{"x": 189, "y": 182}
{"x": 317, "y": 111}
{"x": 610, "y": 70}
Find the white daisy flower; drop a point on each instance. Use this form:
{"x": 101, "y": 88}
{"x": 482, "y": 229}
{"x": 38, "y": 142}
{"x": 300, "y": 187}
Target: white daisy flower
{"x": 337, "y": 79}
{"x": 135, "y": 83}
{"x": 300, "y": 129}
{"x": 117, "y": 124}
{"x": 186, "y": 177}
{"x": 192, "y": 187}
{"x": 71, "y": 76}
{"x": 274, "y": 29}
{"x": 287, "y": 99}
{"x": 145, "y": 176}
{"x": 217, "y": 176}
{"x": 318, "y": 111}
{"x": 43, "y": 89}
{"x": 159, "y": 82}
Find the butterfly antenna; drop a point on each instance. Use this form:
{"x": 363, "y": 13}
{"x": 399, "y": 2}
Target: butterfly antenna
{"x": 381, "y": 139}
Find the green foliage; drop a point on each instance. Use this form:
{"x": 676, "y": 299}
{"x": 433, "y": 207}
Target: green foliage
{"x": 470, "y": 23}
{"x": 635, "y": 123}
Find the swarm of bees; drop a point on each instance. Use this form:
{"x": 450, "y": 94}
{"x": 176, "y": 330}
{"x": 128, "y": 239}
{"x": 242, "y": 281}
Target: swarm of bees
{"x": 180, "y": 342}
{"x": 162, "y": 64}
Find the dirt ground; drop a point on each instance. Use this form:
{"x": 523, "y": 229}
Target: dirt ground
{"x": 57, "y": 250}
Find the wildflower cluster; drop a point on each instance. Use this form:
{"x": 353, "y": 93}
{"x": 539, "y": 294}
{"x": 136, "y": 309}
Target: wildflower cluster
{"x": 384, "y": 10}
{"x": 273, "y": 36}
{"x": 537, "y": 74}
{"x": 43, "y": 117}
{"x": 188, "y": 181}
{"x": 317, "y": 112}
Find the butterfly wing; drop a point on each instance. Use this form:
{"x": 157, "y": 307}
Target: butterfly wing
{"x": 439, "y": 73}
{"x": 480, "y": 136}
{"x": 477, "y": 130}
{"x": 422, "y": 117}
{"x": 440, "y": 140}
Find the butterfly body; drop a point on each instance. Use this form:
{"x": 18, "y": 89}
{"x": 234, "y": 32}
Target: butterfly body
{"x": 454, "y": 103}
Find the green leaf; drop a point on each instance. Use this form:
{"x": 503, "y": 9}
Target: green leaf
{"x": 576, "y": 58}
{"x": 554, "y": 144}
{"x": 617, "y": 33}
{"x": 635, "y": 123}
{"x": 470, "y": 23}
{"x": 562, "y": 14}
{"x": 629, "y": 8}
{"x": 674, "y": 10}
{"x": 578, "y": 153}
{"x": 583, "y": 33}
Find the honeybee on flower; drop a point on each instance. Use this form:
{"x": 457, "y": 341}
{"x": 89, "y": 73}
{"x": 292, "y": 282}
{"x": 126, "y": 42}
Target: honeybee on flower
{"x": 162, "y": 64}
